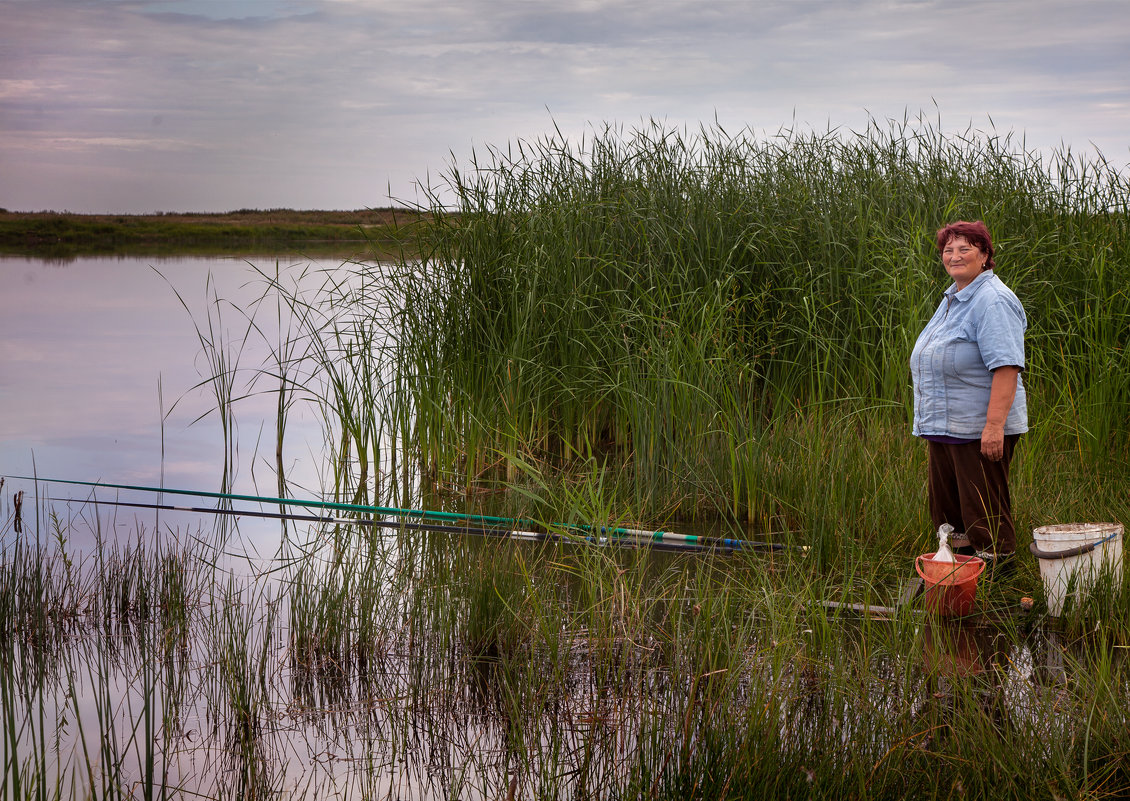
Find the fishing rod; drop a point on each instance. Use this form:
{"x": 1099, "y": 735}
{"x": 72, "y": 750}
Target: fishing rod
{"x": 535, "y": 536}
{"x": 336, "y": 506}
{"x": 489, "y": 521}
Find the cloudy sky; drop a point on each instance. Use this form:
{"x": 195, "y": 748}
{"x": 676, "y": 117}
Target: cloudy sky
{"x": 130, "y": 106}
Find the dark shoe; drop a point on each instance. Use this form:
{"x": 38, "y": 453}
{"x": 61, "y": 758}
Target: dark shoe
{"x": 998, "y": 565}
{"x": 961, "y": 545}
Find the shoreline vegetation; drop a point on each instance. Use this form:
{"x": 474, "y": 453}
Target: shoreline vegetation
{"x": 377, "y": 233}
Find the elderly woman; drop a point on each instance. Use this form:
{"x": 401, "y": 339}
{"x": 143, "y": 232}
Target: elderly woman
{"x": 969, "y": 401}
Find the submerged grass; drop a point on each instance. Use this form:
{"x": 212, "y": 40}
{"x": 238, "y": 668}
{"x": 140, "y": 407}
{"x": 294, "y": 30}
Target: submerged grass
{"x": 439, "y": 666}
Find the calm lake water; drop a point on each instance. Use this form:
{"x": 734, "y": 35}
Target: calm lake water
{"x": 100, "y": 363}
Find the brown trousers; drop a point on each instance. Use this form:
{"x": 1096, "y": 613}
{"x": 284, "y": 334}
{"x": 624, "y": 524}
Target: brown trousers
{"x": 970, "y": 493}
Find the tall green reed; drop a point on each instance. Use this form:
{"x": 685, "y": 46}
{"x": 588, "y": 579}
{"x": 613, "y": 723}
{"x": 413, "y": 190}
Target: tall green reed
{"x": 669, "y": 300}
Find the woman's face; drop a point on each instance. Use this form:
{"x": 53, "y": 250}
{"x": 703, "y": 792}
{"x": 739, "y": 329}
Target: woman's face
{"x": 963, "y": 261}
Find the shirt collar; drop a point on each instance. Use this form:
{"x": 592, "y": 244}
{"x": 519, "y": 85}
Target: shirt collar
{"x": 971, "y": 288}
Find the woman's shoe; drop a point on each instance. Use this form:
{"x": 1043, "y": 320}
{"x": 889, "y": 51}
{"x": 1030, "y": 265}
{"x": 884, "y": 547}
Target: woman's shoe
{"x": 961, "y": 545}
{"x": 999, "y": 565}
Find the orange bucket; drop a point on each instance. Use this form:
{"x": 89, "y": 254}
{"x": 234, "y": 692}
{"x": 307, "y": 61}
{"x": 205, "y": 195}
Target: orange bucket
{"x": 951, "y": 587}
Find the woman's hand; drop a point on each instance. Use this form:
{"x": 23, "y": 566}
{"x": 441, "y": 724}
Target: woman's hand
{"x": 992, "y": 442}
{"x": 1001, "y": 396}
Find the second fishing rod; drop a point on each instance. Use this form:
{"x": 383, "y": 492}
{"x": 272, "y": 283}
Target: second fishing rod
{"x": 645, "y": 539}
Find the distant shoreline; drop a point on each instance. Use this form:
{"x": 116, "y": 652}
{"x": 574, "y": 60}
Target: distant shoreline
{"x": 263, "y": 232}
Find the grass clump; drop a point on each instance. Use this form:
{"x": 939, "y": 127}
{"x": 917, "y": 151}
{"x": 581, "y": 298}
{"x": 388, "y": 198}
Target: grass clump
{"x": 450, "y": 666}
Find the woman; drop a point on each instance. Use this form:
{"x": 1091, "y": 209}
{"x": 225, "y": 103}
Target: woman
{"x": 969, "y": 400}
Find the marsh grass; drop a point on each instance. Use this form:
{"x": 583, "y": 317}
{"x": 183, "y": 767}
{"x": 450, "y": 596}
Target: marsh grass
{"x": 91, "y": 644}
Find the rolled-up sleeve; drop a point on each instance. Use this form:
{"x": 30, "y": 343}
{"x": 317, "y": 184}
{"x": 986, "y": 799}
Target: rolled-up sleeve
{"x": 1000, "y": 335}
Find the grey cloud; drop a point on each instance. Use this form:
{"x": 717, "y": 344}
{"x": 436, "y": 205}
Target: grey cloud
{"x": 337, "y": 98}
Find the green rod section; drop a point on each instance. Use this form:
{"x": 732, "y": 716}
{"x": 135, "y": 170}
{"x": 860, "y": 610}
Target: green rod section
{"x": 425, "y": 514}
{"x": 447, "y": 528}
{"x": 333, "y": 505}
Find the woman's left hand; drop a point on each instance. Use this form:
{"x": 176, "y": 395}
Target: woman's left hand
{"x": 1001, "y": 395}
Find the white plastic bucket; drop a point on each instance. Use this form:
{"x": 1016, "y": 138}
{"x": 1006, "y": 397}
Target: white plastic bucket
{"x": 1072, "y": 555}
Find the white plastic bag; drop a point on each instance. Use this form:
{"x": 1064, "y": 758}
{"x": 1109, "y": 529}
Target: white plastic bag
{"x": 944, "y": 554}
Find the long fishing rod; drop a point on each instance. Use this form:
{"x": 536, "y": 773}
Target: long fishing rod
{"x": 336, "y": 506}
{"x": 426, "y": 514}
{"x": 535, "y": 536}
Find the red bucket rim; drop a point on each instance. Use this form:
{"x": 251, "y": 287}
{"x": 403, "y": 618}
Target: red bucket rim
{"x": 968, "y": 569}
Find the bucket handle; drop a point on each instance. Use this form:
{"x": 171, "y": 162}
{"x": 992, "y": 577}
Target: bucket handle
{"x": 1079, "y": 551}
{"x": 979, "y": 568}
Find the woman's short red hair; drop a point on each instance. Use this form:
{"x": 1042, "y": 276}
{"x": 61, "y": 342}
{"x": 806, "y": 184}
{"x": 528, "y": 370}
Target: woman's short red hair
{"x": 975, "y": 233}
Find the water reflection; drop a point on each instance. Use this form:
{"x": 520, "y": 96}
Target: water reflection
{"x": 349, "y": 673}
{"x": 101, "y": 370}
{"x": 962, "y": 650}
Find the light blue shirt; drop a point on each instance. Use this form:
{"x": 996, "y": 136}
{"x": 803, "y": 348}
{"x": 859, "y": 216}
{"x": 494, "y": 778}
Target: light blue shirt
{"x": 972, "y": 333}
